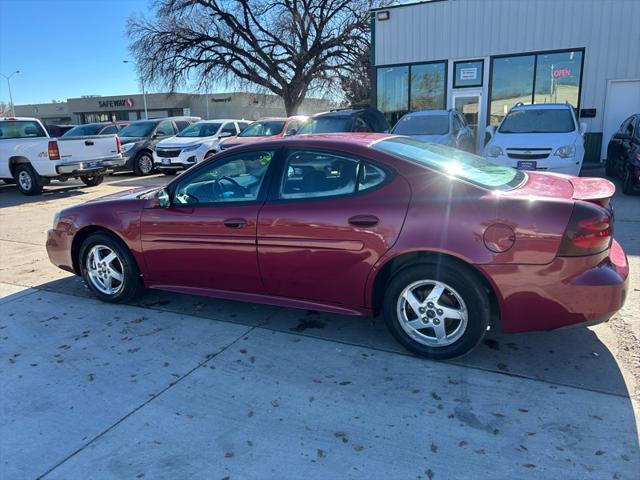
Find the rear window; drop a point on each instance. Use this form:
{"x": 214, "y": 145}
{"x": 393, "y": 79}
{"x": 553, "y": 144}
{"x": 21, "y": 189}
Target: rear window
{"x": 82, "y": 130}
{"x": 327, "y": 125}
{"x": 20, "y": 129}
{"x": 263, "y": 129}
{"x": 422, "y": 125}
{"x": 549, "y": 120}
{"x": 453, "y": 162}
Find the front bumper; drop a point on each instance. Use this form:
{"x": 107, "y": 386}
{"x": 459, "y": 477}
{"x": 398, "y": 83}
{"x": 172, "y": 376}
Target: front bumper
{"x": 90, "y": 166}
{"x": 183, "y": 161}
{"x": 569, "y": 291}
{"x": 59, "y": 249}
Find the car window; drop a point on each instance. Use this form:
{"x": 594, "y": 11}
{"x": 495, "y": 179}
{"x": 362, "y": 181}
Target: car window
{"x": 138, "y": 129}
{"x": 457, "y": 123}
{"x": 264, "y": 128}
{"x": 165, "y": 128}
{"x": 229, "y": 128}
{"x": 422, "y": 125}
{"x": 83, "y": 130}
{"x": 200, "y": 129}
{"x": 627, "y": 126}
{"x": 539, "y": 120}
{"x": 361, "y": 126}
{"x": 182, "y": 124}
{"x": 370, "y": 176}
{"x": 109, "y": 130}
{"x": 243, "y": 125}
{"x": 235, "y": 179}
{"x": 330, "y": 124}
{"x": 313, "y": 174}
{"x": 20, "y": 129}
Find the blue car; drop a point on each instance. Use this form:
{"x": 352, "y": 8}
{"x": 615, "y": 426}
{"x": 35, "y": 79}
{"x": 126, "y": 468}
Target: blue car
{"x": 447, "y": 127}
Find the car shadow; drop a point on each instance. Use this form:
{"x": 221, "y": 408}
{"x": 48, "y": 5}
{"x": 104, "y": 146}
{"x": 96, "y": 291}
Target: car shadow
{"x": 10, "y": 196}
{"x": 572, "y": 357}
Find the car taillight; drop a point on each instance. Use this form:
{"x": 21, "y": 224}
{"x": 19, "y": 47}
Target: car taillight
{"x": 54, "y": 153}
{"x": 118, "y": 144}
{"x": 589, "y": 231}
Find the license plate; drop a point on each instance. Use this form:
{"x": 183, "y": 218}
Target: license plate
{"x": 527, "y": 165}
{"x": 91, "y": 165}
{"x": 166, "y": 161}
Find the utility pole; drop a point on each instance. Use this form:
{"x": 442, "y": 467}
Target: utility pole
{"x": 13, "y": 111}
{"x": 144, "y": 94}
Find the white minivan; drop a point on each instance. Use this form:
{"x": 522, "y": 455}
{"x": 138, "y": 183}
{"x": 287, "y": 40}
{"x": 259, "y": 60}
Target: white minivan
{"x": 545, "y": 137}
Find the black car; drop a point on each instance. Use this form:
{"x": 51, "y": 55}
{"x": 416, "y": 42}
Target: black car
{"x": 623, "y": 154}
{"x": 140, "y": 138}
{"x": 98, "y": 128}
{"x": 351, "y": 119}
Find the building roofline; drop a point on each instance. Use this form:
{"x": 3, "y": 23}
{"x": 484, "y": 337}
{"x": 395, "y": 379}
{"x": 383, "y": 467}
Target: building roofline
{"x": 408, "y": 4}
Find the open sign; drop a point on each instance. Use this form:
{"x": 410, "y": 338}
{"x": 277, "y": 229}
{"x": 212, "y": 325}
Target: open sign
{"x": 562, "y": 72}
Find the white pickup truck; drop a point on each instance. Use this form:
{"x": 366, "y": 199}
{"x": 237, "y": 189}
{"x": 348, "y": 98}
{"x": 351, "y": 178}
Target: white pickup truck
{"x": 31, "y": 159}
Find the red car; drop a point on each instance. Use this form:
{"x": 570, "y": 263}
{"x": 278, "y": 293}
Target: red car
{"x": 265, "y": 129}
{"x": 436, "y": 239}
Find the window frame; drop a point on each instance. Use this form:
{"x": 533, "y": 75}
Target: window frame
{"x": 104, "y": 130}
{"x": 480, "y": 80}
{"x": 279, "y": 171}
{"x": 535, "y": 54}
{"x": 263, "y": 192}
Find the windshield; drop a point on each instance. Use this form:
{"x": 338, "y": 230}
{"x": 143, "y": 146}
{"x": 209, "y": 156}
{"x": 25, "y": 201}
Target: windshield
{"x": 454, "y": 162}
{"x": 422, "y": 125}
{"x": 200, "y": 129}
{"x": 549, "y": 120}
{"x": 82, "y": 130}
{"x": 327, "y": 125}
{"x": 263, "y": 129}
{"x": 138, "y": 129}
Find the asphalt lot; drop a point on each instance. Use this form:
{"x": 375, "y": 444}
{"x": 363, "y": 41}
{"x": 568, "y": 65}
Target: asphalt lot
{"x": 178, "y": 386}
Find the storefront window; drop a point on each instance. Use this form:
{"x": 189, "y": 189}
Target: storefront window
{"x": 393, "y": 92}
{"x": 558, "y": 78}
{"x": 428, "y": 87}
{"x": 468, "y": 74}
{"x": 511, "y": 83}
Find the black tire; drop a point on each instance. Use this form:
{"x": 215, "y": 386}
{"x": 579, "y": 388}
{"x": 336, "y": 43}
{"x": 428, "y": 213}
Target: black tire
{"x": 608, "y": 168}
{"x": 143, "y": 164}
{"x": 92, "y": 180}
{"x": 466, "y": 286}
{"x": 27, "y": 180}
{"x": 627, "y": 182}
{"x": 130, "y": 286}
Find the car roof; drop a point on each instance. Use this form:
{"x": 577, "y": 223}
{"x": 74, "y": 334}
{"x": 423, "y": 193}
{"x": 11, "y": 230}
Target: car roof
{"x": 363, "y": 139}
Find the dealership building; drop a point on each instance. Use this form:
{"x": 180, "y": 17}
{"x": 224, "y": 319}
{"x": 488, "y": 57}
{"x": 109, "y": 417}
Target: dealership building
{"x": 240, "y": 105}
{"x": 484, "y": 57}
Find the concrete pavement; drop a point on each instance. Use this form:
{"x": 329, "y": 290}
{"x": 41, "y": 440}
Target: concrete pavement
{"x": 187, "y": 387}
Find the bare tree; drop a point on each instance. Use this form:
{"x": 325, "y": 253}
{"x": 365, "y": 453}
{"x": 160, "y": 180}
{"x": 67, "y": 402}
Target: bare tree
{"x": 5, "y": 108}
{"x": 355, "y": 80}
{"x": 291, "y": 48}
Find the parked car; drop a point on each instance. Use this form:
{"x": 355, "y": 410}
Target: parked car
{"x": 543, "y": 137}
{"x": 350, "y": 119}
{"x": 448, "y": 127}
{"x": 435, "y": 238}
{"x": 140, "y": 138}
{"x": 193, "y": 144}
{"x": 99, "y": 128}
{"x": 623, "y": 154}
{"x": 31, "y": 159}
{"x": 57, "y": 130}
{"x": 265, "y": 128}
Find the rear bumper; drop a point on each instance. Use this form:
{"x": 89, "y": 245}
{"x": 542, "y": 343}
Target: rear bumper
{"x": 569, "y": 291}
{"x": 59, "y": 249}
{"x": 90, "y": 166}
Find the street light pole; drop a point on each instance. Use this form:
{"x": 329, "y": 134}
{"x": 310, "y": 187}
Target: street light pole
{"x": 144, "y": 94}
{"x": 13, "y": 111}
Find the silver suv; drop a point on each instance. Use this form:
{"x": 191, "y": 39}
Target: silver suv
{"x": 447, "y": 127}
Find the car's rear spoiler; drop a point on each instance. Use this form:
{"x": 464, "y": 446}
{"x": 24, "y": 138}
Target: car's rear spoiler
{"x": 593, "y": 189}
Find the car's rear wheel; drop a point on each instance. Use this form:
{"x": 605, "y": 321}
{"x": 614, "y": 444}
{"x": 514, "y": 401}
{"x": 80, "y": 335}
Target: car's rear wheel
{"x": 627, "y": 181}
{"x": 109, "y": 269}
{"x": 436, "y": 311}
{"x": 92, "y": 180}
{"x": 143, "y": 164}
{"x": 27, "y": 180}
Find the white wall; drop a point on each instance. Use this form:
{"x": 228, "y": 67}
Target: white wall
{"x": 609, "y": 30}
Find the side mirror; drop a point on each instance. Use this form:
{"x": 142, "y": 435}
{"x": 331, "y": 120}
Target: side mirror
{"x": 491, "y": 130}
{"x": 291, "y": 131}
{"x": 583, "y": 128}
{"x": 225, "y": 135}
{"x": 164, "y": 199}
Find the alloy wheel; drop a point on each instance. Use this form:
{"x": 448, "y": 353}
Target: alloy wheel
{"x": 145, "y": 164}
{"x": 25, "y": 180}
{"x": 105, "y": 270}
{"x": 432, "y": 313}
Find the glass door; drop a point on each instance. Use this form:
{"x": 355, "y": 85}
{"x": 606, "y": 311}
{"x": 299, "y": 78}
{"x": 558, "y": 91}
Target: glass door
{"x": 470, "y": 105}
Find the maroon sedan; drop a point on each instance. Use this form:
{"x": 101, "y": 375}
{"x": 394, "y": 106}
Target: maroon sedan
{"x": 436, "y": 239}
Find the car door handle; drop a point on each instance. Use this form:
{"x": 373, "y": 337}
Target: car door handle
{"x": 364, "y": 220}
{"x": 235, "y": 223}
{"x": 88, "y": 143}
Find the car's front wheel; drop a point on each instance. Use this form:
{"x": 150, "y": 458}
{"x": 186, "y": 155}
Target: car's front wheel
{"x": 143, "y": 164}
{"x": 436, "y": 310}
{"x": 109, "y": 269}
{"x": 92, "y": 180}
